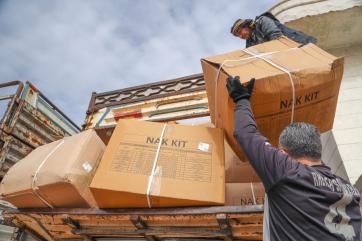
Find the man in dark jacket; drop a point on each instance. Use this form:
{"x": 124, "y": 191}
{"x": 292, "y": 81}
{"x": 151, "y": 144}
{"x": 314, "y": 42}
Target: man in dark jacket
{"x": 305, "y": 200}
{"x": 265, "y": 28}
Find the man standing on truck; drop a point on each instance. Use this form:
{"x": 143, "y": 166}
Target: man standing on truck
{"x": 264, "y": 28}
{"x": 304, "y": 200}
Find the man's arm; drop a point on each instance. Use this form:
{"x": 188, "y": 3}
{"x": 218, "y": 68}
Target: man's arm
{"x": 269, "y": 28}
{"x": 270, "y": 163}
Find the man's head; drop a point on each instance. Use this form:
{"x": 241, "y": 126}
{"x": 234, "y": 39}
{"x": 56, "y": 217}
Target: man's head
{"x": 242, "y": 28}
{"x": 301, "y": 141}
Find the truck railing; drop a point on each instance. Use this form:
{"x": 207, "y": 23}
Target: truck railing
{"x": 29, "y": 120}
{"x": 190, "y": 223}
{"x": 170, "y": 100}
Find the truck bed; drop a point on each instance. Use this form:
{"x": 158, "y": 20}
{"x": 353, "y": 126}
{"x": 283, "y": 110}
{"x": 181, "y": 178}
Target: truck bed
{"x": 191, "y": 223}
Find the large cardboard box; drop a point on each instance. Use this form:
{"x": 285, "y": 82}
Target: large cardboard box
{"x": 187, "y": 171}
{"x": 57, "y": 174}
{"x": 316, "y": 76}
{"x": 250, "y": 193}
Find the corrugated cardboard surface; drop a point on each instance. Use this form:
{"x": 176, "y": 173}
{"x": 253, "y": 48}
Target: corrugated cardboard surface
{"x": 62, "y": 180}
{"x": 316, "y": 75}
{"x": 251, "y": 193}
{"x": 237, "y": 171}
{"x": 189, "y": 171}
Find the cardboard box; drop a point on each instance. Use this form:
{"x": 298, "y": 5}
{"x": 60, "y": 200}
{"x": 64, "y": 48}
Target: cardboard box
{"x": 251, "y": 193}
{"x": 237, "y": 171}
{"x": 316, "y": 76}
{"x": 57, "y": 174}
{"x": 189, "y": 170}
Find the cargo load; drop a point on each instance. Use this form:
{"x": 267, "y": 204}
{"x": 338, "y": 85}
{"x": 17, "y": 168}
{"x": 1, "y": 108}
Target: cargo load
{"x": 149, "y": 164}
{"x": 293, "y": 83}
{"x": 243, "y": 186}
{"x": 237, "y": 171}
{"x": 248, "y": 193}
{"x": 57, "y": 174}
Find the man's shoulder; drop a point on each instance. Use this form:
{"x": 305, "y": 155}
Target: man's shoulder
{"x": 262, "y": 19}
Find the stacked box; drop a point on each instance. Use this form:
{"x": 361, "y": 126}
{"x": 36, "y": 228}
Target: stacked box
{"x": 149, "y": 164}
{"x": 315, "y": 80}
{"x": 57, "y": 174}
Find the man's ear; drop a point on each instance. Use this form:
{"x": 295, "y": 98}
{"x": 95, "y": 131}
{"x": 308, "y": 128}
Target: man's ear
{"x": 282, "y": 149}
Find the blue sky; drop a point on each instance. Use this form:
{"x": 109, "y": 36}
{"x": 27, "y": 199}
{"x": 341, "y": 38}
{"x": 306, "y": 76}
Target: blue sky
{"x": 70, "y": 48}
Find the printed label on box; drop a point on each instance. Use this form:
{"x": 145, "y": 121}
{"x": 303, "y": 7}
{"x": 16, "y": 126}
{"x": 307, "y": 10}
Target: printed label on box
{"x": 185, "y": 164}
{"x": 87, "y": 167}
{"x": 203, "y": 147}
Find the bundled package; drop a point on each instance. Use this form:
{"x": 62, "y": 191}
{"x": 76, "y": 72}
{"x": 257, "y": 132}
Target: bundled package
{"x": 292, "y": 84}
{"x": 57, "y": 174}
{"x": 243, "y": 186}
{"x": 149, "y": 164}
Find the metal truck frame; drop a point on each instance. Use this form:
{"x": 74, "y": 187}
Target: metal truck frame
{"x": 30, "y": 120}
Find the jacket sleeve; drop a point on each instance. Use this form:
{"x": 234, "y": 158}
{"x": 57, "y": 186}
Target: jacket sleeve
{"x": 269, "y": 29}
{"x": 270, "y": 164}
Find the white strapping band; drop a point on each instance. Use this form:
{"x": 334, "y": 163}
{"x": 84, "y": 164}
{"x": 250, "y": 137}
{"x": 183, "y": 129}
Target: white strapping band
{"x": 282, "y": 69}
{"x": 33, "y": 184}
{"x": 150, "y": 178}
{"x": 249, "y": 59}
{"x": 252, "y": 192}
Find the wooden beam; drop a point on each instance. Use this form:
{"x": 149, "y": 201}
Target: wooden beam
{"x": 72, "y": 223}
{"x": 142, "y": 211}
{"x": 224, "y": 226}
{"x": 141, "y": 225}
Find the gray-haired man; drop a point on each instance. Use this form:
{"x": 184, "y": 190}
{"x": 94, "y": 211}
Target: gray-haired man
{"x": 305, "y": 200}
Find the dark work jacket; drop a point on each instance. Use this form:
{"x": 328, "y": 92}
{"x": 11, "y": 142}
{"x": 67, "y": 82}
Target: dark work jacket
{"x": 306, "y": 203}
{"x": 267, "y": 28}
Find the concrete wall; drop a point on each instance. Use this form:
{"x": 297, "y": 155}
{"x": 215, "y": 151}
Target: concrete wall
{"x": 290, "y": 10}
{"x": 347, "y": 128}
{"x": 331, "y": 156}
{"x": 342, "y": 147}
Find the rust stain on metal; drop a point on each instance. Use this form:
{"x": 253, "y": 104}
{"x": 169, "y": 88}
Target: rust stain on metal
{"x": 24, "y": 126}
{"x": 170, "y": 100}
{"x": 212, "y": 223}
{"x": 130, "y": 114}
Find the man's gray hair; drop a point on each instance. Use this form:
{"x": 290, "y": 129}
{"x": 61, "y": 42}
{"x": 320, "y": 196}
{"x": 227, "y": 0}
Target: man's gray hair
{"x": 301, "y": 140}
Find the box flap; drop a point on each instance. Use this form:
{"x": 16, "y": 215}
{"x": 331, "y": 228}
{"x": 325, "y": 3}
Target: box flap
{"x": 271, "y": 46}
{"x": 282, "y": 52}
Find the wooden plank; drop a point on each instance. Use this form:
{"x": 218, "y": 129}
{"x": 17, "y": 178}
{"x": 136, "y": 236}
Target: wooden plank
{"x": 27, "y": 222}
{"x": 141, "y": 225}
{"x": 223, "y": 221}
{"x": 150, "y": 224}
{"x": 145, "y": 211}
{"x": 159, "y": 231}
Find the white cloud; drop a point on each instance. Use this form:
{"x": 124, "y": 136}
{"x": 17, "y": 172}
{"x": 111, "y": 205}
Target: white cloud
{"x": 70, "y": 48}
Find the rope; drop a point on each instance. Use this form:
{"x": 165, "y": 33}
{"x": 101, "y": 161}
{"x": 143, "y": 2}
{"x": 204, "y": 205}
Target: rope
{"x": 33, "y": 184}
{"x": 247, "y": 60}
{"x": 252, "y": 192}
{"x": 284, "y": 70}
